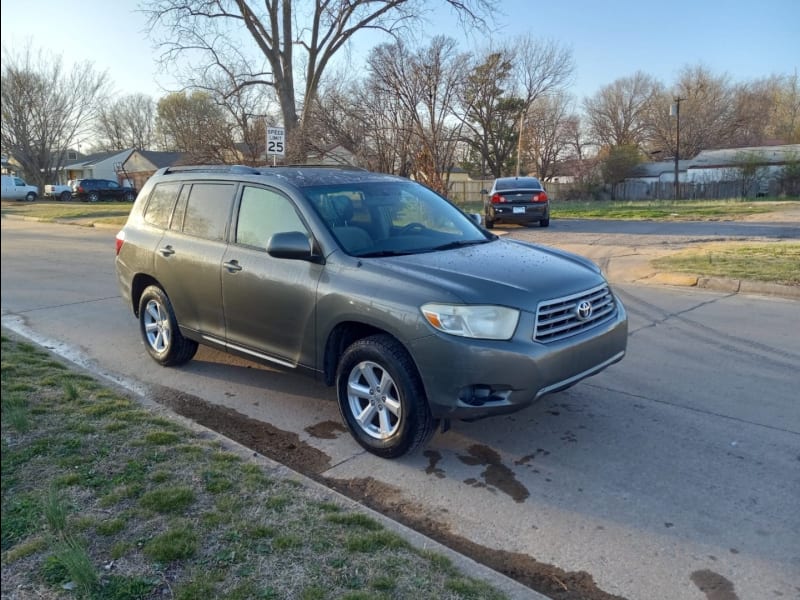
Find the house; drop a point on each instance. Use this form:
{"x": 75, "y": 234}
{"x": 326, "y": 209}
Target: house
{"x": 334, "y": 154}
{"x": 103, "y": 165}
{"x": 141, "y": 164}
{"x": 732, "y": 164}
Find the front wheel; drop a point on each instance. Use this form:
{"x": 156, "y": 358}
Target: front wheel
{"x": 159, "y": 327}
{"x": 30, "y": 196}
{"x": 94, "y": 197}
{"x": 382, "y": 399}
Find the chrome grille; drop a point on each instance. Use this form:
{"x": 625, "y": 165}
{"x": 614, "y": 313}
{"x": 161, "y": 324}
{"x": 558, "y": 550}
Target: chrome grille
{"x": 558, "y": 319}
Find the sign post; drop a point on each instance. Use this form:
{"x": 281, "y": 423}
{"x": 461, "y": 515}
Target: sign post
{"x": 276, "y": 145}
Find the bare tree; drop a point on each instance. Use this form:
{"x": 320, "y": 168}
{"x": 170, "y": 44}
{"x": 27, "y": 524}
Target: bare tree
{"x": 708, "y": 114}
{"x": 46, "y": 110}
{"x": 194, "y": 124}
{"x": 426, "y": 83}
{"x": 785, "y": 116}
{"x": 619, "y": 114}
{"x": 277, "y": 29}
{"x": 128, "y": 122}
{"x": 549, "y": 124}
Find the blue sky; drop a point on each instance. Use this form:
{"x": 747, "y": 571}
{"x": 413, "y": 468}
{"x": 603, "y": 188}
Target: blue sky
{"x": 609, "y": 40}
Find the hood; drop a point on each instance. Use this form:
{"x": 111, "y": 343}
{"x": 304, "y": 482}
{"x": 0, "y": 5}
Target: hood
{"x": 504, "y": 272}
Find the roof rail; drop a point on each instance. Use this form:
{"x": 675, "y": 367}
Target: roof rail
{"x": 243, "y": 169}
{"x": 318, "y": 166}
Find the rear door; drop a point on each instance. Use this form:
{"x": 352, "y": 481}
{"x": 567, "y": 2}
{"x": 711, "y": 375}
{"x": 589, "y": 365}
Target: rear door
{"x": 269, "y": 302}
{"x": 188, "y": 257}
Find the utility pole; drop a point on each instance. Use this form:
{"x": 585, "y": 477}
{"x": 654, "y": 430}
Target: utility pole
{"x": 519, "y": 140}
{"x": 675, "y": 110}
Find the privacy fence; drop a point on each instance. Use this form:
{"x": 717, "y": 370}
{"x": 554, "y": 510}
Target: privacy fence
{"x": 469, "y": 192}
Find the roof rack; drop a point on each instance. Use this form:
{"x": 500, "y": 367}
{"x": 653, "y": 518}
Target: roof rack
{"x": 318, "y": 166}
{"x": 242, "y": 169}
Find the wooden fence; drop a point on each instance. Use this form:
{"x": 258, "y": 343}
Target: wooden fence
{"x": 466, "y": 192}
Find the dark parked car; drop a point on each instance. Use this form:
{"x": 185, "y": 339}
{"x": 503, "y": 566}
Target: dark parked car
{"x": 93, "y": 190}
{"x": 517, "y": 200}
{"x": 373, "y": 283}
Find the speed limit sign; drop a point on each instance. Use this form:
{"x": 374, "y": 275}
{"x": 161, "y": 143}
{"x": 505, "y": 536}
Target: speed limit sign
{"x": 276, "y": 144}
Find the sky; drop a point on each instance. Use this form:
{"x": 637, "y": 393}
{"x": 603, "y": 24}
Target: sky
{"x": 609, "y": 40}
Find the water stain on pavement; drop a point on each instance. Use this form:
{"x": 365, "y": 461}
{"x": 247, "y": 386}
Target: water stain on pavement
{"x": 433, "y": 459}
{"x": 496, "y": 475}
{"x": 326, "y": 430}
{"x": 713, "y": 585}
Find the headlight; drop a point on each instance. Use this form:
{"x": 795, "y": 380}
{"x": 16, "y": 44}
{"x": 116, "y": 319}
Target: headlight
{"x": 481, "y": 322}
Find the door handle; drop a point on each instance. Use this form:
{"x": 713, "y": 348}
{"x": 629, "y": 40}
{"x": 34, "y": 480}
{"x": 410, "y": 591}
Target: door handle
{"x": 232, "y": 266}
{"x": 166, "y": 251}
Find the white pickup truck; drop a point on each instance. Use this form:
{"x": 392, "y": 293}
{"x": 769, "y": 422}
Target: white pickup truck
{"x": 15, "y": 188}
{"x": 58, "y": 192}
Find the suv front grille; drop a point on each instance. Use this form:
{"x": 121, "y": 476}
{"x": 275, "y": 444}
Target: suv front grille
{"x": 563, "y": 317}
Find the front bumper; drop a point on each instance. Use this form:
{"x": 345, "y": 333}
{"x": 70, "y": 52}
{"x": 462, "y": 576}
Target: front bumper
{"x": 471, "y": 379}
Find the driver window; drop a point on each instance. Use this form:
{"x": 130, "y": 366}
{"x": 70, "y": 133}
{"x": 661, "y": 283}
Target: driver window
{"x": 263, "y": 213}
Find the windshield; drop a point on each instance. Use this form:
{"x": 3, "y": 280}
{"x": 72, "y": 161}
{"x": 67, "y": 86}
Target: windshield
{"x": 392, "y": 217}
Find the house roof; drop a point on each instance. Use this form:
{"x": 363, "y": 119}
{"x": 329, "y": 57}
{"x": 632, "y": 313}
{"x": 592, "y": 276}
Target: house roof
{"x": 92, "y": 159}
{"x": 729, "y": 157}
{"x": 162, "y": 159}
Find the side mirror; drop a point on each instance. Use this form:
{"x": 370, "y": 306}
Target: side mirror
{"x": 477, "y": 218}
{"x": 293, "y": 245}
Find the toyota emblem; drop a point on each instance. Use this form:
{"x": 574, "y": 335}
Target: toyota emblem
{"x": 584, "y": 310}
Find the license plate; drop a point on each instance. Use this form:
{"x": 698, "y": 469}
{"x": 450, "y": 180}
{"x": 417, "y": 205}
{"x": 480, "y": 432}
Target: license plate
{"x": 519, "y": 210}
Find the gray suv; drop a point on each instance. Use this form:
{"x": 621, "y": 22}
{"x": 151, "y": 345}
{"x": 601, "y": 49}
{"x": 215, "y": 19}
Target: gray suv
{"x": 371, "y": 282}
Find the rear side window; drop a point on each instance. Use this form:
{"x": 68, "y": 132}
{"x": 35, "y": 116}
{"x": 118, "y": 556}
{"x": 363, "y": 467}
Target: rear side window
{"x": 207, "y": 210}
{"x": 264, "y": 213}
{"x": 162, "y": 201}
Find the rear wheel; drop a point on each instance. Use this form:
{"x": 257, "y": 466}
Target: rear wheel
{"x": 159, "y": 327}
{"x": 488, "y": 221}
{"x": 381, "y": 397}
{"x": 65, "y": 196}
{"x": 129, "y": 197}
{"x": 545, "y": 222}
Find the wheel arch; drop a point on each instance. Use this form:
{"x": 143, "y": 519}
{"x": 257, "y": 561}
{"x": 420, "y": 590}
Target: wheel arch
{"x": 341, "y": 337}
{"x": 138, "y": 285}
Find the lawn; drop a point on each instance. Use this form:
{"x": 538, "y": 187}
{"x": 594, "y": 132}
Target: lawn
{"x": 102, "y": 498}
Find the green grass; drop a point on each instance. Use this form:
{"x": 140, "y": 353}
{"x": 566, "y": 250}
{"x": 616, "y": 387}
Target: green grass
{"x": 144, "y": 491}
{"x": 777, "y": 262}
{"x": 659, "y": 210}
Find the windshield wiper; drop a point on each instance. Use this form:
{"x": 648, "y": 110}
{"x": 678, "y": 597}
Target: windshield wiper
{"x": 458, "y": 244}
{"x": 380, "y": 253}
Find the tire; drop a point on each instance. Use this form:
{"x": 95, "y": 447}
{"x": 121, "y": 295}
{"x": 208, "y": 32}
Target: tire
{"x": 159, "y": 328}
{"x": 30, "y": 197}
{"x": 129, "y": 197}
{"x": 65, "y": 196}
{"x": 93, "y": 196}
{"x": 545, "y": 222}
{"x": 487, "y": 222}
{"x": 377, "y": 379}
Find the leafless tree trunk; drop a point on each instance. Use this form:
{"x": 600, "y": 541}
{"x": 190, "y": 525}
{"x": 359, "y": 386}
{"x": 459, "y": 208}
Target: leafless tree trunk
{"x": 46, "y": 110}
